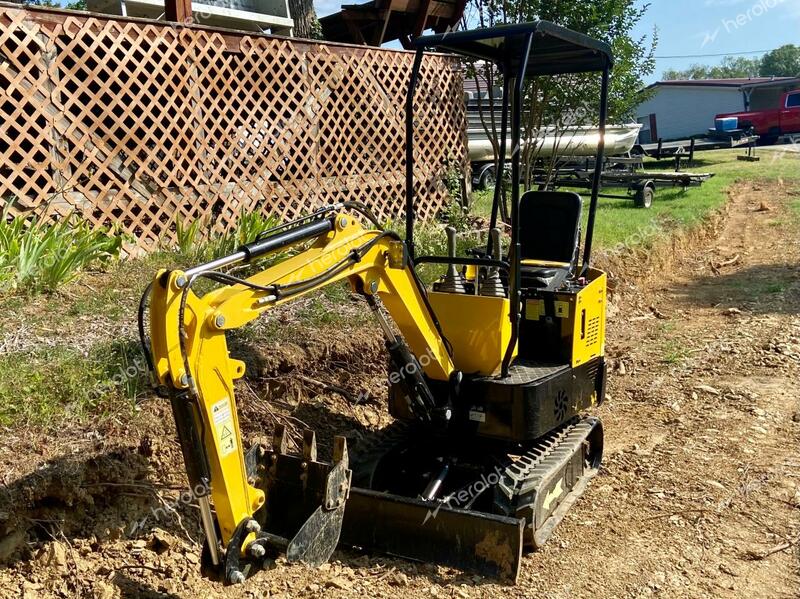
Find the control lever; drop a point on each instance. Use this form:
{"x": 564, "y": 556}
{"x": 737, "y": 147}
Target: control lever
{"x": 453, "y": 281}
{"x": 491, "y": 285}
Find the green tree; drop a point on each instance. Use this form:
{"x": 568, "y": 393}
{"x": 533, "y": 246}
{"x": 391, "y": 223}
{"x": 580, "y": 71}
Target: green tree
{"x": 306, "y": 24}
{"x": 731, "y": 67}
{"x": 782, "y": 62}
{"x": 46, "y": 3}
{"x": 738, "y": 66}
{"x": 695, "y": 71}
{"x": 612, "y": 21}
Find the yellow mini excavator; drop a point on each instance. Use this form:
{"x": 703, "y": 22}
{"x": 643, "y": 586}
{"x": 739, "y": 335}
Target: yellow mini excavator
{"x": 491, "y": 372}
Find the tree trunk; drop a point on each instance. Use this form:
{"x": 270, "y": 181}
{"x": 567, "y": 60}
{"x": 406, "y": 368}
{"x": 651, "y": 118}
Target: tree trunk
{"x": 305, "y": 19}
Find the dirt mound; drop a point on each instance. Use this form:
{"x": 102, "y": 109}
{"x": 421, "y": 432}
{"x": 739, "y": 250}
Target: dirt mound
{"x": 69, "y": 496}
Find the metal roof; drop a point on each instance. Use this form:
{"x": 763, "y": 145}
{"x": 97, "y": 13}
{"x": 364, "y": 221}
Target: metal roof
{"x": 737, "y": 82}
{"x": 555, "y": 49}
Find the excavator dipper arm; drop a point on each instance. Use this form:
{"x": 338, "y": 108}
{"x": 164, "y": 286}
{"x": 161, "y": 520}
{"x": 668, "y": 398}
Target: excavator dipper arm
{"x": 189, "y": 356}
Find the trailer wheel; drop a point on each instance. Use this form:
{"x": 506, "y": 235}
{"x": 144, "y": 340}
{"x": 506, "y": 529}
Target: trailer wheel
{"x": 487, "y": 179}
{"x": 644, "y": 197}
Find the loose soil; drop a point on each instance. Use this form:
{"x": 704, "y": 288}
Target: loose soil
{"x": 699, "y": 494}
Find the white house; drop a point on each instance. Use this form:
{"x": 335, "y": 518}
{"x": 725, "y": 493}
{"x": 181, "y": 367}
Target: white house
{"x": 682, "y": 108}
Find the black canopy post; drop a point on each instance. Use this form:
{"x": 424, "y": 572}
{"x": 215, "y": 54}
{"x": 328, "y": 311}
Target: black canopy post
{"x": 410, "y": 151}
{"x": 598, "y": 169}
{"x": 501, "y": 162}
{"x": 514, "y": 250}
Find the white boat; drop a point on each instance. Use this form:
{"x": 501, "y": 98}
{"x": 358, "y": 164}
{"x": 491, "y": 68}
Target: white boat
{"x": 567, "y": 141}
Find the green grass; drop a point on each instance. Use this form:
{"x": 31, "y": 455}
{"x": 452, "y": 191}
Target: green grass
{"x": 196, "y": 248}
{"x": 619, "y": 221}
{"x": 674, "y": 352}
{"x": 39, "y": 256}
{"x": 321, "y": 307}
{"x": 794, "y": 208}
{"x": 50, "y": 383}
{"x": 776, "y": 287}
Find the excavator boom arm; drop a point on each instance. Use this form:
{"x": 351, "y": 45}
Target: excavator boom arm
{"x": 189, "y": 352}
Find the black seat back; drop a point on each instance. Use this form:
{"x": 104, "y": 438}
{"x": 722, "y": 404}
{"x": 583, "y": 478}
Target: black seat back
{"x": 550, "y": 224}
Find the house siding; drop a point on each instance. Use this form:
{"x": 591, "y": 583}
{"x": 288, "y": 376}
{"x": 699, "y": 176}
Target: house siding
{"x": 685, "y": 111}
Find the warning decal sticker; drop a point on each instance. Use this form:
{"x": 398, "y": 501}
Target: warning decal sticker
{"x": 223, "y": 425}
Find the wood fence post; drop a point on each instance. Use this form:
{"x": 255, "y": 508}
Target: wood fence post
{"x": 178, "y": 11}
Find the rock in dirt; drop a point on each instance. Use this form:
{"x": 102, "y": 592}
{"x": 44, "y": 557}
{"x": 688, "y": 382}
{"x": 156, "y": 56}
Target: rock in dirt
{"x": 728, "y": 570}
{"x": 160, "y": 541}
{"x": 399, "y": 580}
{"x": 31, "y": 590}
{"x": 708, "y": 389}
{"x": 54, "y": 555}
{"x": 338, "y": 582}
{"x": 103, "y": 590}
{"x": 658, "y": 313}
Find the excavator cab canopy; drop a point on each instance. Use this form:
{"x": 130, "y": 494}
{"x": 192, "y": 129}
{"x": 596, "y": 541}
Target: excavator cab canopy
{"x": 555, "y": 49}
{"x": 519, "y": 51}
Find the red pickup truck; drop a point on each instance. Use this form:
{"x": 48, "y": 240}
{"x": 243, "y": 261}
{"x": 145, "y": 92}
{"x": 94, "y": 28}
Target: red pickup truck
{"x": 769, "y": 124}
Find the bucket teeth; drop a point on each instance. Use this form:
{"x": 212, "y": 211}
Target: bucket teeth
{"x": 340, "y": 450}
{"x": 309, "y": 445}
{"x": 280, "y": 440}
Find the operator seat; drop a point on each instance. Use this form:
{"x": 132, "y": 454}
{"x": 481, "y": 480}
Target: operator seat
{"x": 550, "y": 224}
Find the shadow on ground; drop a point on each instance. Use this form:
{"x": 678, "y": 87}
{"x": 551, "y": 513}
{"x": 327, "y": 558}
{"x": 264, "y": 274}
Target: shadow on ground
{"x": 135, "y": 589}
{"x": 768, "y": 289}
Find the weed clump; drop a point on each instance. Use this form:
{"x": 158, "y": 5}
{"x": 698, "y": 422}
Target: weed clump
{"x": 37, "y": 256}
{"x": 194, "y": 245}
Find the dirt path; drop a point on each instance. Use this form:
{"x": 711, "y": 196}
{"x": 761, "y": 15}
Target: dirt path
{"x": 701, "y": 473}
{"x": 699, "y": 495}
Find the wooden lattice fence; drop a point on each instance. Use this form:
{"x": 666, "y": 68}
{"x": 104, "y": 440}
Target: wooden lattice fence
{"x": 140, "y": 123}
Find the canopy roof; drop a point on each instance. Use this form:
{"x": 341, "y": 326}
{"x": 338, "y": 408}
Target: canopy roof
{"x": 555, "y": 49}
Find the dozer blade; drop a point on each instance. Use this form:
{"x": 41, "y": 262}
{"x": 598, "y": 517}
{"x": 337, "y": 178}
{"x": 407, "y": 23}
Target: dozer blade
{"x": 527, "y": 498}
{"x": 406, "y": 527}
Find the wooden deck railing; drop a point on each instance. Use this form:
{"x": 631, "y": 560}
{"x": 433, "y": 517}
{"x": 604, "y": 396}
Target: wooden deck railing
{"x": 139, "y": 123}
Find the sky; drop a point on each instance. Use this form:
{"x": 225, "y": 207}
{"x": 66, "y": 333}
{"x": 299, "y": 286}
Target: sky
{"x": 701, "y": 27}
{"x": 707, "y": 27}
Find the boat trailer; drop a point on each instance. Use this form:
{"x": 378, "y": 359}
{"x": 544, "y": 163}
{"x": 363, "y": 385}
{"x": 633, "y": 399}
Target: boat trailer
{"x": 618, "y": 172}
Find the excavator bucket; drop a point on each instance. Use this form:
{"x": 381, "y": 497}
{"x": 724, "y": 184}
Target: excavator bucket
{"x": 302, "y": 517}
